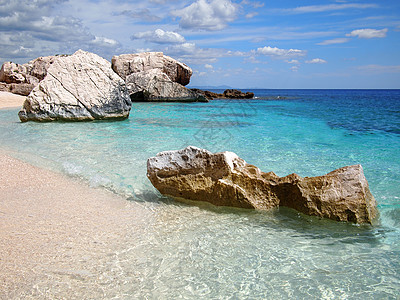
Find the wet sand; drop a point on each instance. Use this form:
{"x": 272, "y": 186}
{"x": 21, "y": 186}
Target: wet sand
{"x": 59, "y": 238}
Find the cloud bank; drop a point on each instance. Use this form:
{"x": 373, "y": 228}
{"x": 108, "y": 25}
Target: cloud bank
{"x": 159, "y": 36}
{"x": 207, "y": 15}
{"x": 280, "y": 53}
{"x": 30, "y": 29}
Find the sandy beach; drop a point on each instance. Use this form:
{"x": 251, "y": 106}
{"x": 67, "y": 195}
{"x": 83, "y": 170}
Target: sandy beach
{"x": 57, "y": 234}
{"x": 9, "y": 100}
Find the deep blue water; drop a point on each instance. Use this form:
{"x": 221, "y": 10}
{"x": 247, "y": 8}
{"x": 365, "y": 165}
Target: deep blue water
{"x": 219, "y": 253}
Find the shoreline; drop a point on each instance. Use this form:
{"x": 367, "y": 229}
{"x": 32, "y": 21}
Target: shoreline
{"x": 52, "y": 226}
{"x": 10, "y": 100}
{"x": 57, "y": 231}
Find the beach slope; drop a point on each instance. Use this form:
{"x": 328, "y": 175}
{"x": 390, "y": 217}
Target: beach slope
{"x": 9, "y": 100}
{"x": 58, "y": 234}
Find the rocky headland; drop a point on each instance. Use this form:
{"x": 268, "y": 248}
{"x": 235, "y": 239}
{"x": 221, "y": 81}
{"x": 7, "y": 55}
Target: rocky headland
{"x": 224, "y": 179}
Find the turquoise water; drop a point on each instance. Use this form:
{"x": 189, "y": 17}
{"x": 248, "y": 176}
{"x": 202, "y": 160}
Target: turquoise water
{"x": 207, "y": 252}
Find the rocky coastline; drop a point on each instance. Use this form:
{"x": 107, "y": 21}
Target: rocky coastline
{"x": 149, "y": 77}
{"x": 84, "y": 86}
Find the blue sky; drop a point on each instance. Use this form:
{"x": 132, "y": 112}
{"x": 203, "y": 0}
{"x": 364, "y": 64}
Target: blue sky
{"x": 243, "y": 44}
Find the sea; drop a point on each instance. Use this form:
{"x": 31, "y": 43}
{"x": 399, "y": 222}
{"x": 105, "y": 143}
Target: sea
{"x": 205, "y": 252}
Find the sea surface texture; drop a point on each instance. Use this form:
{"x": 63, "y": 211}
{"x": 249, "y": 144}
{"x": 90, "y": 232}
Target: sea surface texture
{"x": 204, "y": 252}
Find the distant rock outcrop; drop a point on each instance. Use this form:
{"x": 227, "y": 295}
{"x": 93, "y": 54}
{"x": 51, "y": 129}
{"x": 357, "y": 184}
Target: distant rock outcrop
{"x": 224, "y": 179}
{"x": 78, "y": 87}
{"x": 227, "y": 94}
{"x": 21, "y": 79}
{"x": 153, "y": 76}
{"x": 154, "y": 85}
{"x": 12, "y": 73}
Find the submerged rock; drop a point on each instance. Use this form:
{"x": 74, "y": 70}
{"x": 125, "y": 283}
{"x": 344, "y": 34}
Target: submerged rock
{"x": 224, "y": 179}
{"x": 153, "y": 76}
{"x": 78, "y": 87}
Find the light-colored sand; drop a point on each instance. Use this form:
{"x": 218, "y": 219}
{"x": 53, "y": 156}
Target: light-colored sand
{"x": 8, "y": 100}
{"x": 59, "y": 238}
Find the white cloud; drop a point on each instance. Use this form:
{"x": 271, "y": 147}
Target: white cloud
{"x": 207, "y": 15}
{"x": 253, "y": 60}
{"x": 316, "y": 61}
{"x": 143, "y": 14}
{"x": 251, "y": 15}
{"x": 21, "y": 51}
{"x": 280, "y": 53}
{"x": 379, "y": 69}
{"x": 160, "y": 36}
{"x": 191, "y": 53}
{"x": 368, "y": 33}
{"x": 327, "y": 7}
{"x": 102, "y": 41}
{"x": 33, "y": 28}
{"x": 208, "y": 66}
{"x": 160, "y": 1}
{"x": 334, "y": 41}
{"x": 294, "y": 68}
{"x": 293, "y": 61}
{"x": 255, "y": 4}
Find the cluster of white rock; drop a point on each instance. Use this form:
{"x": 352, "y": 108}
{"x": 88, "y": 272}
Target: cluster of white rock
{"x": 21, "y": 79}
{"x": 84, "y": 86}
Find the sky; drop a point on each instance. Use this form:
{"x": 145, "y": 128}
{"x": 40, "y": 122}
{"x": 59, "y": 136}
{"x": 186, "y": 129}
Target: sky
{"x": 246, "y": 44}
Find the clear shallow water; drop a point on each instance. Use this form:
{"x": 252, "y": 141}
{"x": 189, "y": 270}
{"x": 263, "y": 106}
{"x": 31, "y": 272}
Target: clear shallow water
{"x": 220, "y": 253}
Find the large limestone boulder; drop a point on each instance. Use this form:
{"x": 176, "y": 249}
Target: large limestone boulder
{"x": 224, "y": 179}
{"x": 126, "y": 64}
{"x": 154, "y": 85}
{"x": 153, "y": 76}
{"x": 78, "y": 87}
